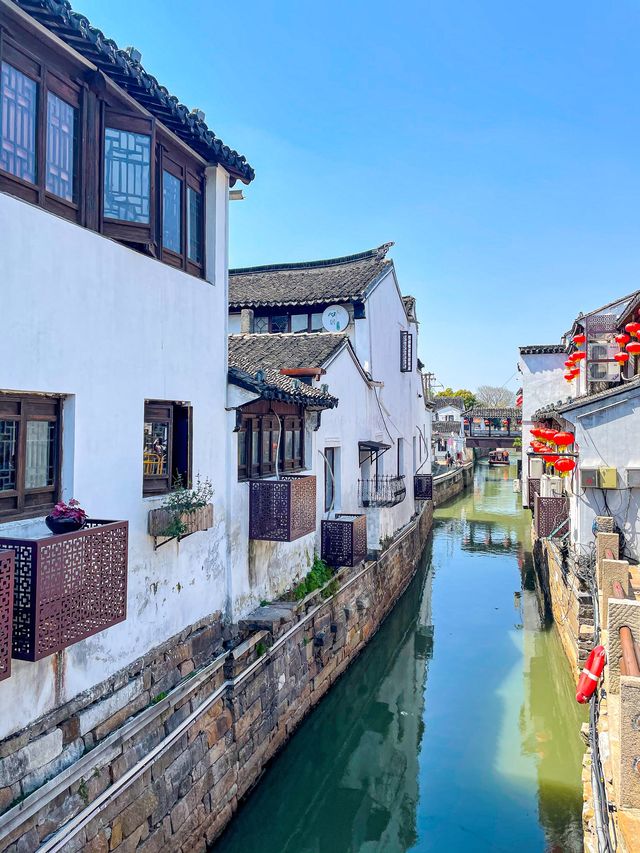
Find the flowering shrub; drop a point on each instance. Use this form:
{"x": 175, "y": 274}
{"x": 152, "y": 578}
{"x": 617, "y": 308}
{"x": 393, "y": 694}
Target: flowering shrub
{"x": 72, "y": 510}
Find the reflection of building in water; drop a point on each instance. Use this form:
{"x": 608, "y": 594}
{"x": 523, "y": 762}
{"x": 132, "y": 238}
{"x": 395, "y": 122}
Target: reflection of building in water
{"x": 383, "y": 768}
{"x": 349, "y": 780}
{"x": 549, "y": 721}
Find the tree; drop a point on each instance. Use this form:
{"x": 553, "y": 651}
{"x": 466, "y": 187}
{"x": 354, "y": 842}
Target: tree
{"x": 468, "y": 396}
{"x": 495, "y": 397}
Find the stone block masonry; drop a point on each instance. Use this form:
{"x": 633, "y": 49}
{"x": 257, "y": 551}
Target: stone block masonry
{"x": 165, "y": 768}
{"x": 447, "y": 486}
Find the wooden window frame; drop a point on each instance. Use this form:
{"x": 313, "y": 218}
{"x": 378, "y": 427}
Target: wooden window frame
{"x": 47, "y": 79}
{"x": 279, "y": 316}
{"x": 174, "y": 162}
{"x": 24, "y": 408}
{"x": 406, "y": 351}
{"x": 253, "y": 431}
{"x": 141, "y": 233}
{"x": 329, "y": 478}
{"x": 164, "y": 411}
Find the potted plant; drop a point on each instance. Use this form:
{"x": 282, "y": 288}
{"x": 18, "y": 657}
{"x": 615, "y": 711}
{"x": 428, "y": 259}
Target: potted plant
{"x": 184, "y": 511}
{"x": 66, "y": 517}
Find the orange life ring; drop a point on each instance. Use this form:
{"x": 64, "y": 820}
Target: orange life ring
{"x": 590, "y": 675}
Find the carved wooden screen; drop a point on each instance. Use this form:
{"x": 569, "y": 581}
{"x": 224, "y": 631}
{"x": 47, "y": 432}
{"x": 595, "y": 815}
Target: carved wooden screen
{"x": 68, "y": 587}
{"x": 282, "y": 510}
{"x": 344, "y": 539}
{"x": 6, "y": 611}
{"x": 406, "y": 352}
{"x": 423, "y": 487}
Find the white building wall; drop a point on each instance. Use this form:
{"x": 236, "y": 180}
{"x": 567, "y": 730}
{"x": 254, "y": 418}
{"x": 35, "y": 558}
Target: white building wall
{"x": 607, "y": 434}
{"x": 88, "y": 318}
{"x": 543, "y": 383}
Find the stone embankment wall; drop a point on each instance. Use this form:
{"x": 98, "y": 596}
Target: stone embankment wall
{"x": 567, "y": 600}
{"x": 455, "y": 481}
{"x": 159, "y": 758}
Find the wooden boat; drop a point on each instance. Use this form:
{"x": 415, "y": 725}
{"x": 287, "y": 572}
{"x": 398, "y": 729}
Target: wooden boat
{"x": 499, "y": 457}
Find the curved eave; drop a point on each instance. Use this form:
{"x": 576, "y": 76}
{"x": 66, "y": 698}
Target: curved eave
{"x": 76, "y": 31}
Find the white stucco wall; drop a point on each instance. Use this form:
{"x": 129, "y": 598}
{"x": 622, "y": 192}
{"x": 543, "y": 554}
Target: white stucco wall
{"x": 607, "y": 433}
{"x": 543, "y": 383}
{"x": 88, "y": 318}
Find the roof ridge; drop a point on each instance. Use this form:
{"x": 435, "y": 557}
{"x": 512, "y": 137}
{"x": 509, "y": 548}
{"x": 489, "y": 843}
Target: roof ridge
{"x": 292, "y": 335}
{"x": 379, "y": 252}
{"x": 108, "y": 48}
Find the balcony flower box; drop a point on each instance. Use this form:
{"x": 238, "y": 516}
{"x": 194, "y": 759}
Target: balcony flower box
{"x": 344, "y": 539}
{"x": 200, "y": 519}
{"x": 423, "y": 487}
{"x": 551, "y": 517}
{"x": 68, "y": 587}
{"x": 6, "y": 611}
{"x": 282, "y": 510}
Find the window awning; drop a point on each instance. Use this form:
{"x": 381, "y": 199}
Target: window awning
{"x": 371, "y": 449}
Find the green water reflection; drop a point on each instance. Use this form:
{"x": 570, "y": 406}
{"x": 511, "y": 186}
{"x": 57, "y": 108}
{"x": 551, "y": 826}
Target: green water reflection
{"x": 455, "y": 730}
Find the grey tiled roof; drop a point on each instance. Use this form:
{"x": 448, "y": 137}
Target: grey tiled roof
{"x": 255, "y": 362}
{"x": 74, "y": 29}
{"x": 494, "y": 412}
{"x": 542, "y": 349}
{"x": 443, "y": 402}
{"x": 309, "y": 283}
{"x": 445, "y": 427}
{"x": 586, "y": 399}
{"x": 258, "y": 352}
{"x": 273, "y": 385}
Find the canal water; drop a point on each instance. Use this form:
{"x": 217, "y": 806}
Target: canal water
{"x": 455, "y": 730}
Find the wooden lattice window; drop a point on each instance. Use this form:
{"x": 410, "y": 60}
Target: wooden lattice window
{"x": 265, "y": 438}
{"x": 30, "y": 431}
{"x": 166, "y": 458}
{"x": 406, "y": 352}
{"x": 39, "y": 131}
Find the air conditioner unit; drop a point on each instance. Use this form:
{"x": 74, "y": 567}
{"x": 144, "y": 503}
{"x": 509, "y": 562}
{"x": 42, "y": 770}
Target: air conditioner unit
{"x": 632, "y": 478}
{"x": 545, "y": 488}
{"x": 536, "y": 468}
{"x": 589, "y": 478}
{"x": 603, "y": 371}
{"x": 608, "y": 478}
{"x": 556, "y": 487}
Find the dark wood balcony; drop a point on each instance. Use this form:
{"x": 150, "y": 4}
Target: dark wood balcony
{"x": 551, "y": 517}
{"x": 344, "y": 539}
{"x": 382, "y": 491}
{"x": 282, "y": 510}
{"x": 6, "y": 611}
{"x": 423, "y": 487}
{"x": 534, "y": 489}
{"x": 68, "y": 587}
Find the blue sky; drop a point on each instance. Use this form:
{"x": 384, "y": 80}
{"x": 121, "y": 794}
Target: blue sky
{"x": 495, "y": 142}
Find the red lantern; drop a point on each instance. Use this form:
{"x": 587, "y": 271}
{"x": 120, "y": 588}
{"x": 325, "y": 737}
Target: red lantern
{"x": 548, "y": 435}
{"x": 579, "y": 356}
{"x": 579, "y": 339}
{"x": 536, "y": 432}
{"x": 569, "y": 376}
{"x": 551, "y": 460}
{"x": 622, "y": 339}
{"x": 564, "y": 465}
{"x": 564, "y": 439}
{"x": 575, "y": 372}
{"x": 633, "y": 347}
{"x": 633, "y": 329}
{"x": 622, "y": 358}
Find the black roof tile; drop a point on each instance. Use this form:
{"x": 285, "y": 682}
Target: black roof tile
{"x": 308, "y": 283}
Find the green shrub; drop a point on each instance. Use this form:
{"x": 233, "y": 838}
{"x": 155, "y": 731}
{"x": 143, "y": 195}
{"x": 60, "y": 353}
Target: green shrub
{"x": 316, "y": 578}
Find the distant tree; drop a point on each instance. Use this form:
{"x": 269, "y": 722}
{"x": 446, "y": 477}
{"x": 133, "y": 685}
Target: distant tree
{"x": 468, "y": 396}
{"x": 495, "y": 397}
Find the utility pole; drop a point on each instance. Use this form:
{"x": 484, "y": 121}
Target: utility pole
{"x": 428, "y": 377}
